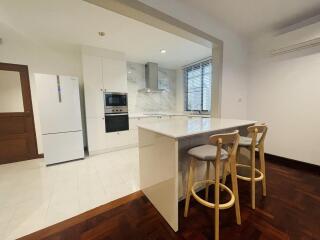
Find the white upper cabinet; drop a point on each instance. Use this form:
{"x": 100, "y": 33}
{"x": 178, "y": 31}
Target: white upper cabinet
{"x": 114, "y": 75}
{"x": 93, "y": 86}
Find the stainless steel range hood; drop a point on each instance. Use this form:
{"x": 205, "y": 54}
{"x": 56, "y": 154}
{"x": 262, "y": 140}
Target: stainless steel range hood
{"x": 151, "y": 75}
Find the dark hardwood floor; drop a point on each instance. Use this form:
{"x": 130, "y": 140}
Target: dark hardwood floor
{"x": 290, "y": 211}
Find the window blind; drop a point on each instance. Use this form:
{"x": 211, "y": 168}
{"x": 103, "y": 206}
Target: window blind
{"x": 197, "y": 86}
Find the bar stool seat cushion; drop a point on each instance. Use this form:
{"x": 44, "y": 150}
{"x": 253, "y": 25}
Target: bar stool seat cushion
{"x": 246, "y": 141}
{"x": 207, "y": 153}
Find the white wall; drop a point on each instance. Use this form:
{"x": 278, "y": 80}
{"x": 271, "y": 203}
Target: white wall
{"x": 235, "y": 59}
{"x": 18, "y": 49}
{"x": 284, "y": 92}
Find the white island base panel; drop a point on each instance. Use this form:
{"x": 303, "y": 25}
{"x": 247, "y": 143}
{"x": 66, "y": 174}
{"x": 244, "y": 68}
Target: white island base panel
{"x": 164, "y": 167}
{"x": 158, "y": 155}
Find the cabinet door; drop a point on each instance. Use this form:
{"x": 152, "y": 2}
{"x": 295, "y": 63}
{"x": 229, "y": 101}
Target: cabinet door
{"x": 133, "y": 123}
{"x": 114, "y": 75}
{"x": 121, "y": 139}
{"x": 132, "y": 137}
{"x": 111, "y": 140}
{"x": 116, "y": 139}
{"x": 93, "y": 86}
{"x": 96, "y": 134}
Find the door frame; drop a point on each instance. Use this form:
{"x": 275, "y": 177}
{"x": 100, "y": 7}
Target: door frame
{"x": 27, "y": 106}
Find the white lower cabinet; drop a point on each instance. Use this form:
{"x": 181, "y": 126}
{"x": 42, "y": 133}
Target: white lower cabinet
{"x": 99, "y": 141}
{"x": 119, "y": 139}
{"x": 96, "y": 134}
{"x": 133, "y": 123}
{"x": 134, "y": 137}
{"x": 114, "y": 139}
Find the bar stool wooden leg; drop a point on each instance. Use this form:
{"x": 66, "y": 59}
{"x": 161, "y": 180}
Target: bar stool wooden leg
{"x": 253, "y": 182}
{"x": 263, "y": 170}
{"x": 233, "y": 172}
{"x": 238, "y": 154}
{"x": 207, "y": 178}
{"x": 216, "y": 199}
{"x": 225, "y": 173}
{"x": 189, "y": 186}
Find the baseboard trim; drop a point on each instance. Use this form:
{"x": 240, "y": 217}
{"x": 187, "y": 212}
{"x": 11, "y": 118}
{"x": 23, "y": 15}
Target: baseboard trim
{"x": 292, "y": 163}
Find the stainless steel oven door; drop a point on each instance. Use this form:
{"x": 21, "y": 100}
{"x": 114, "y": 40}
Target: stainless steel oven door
{"x": 116, "y": 122}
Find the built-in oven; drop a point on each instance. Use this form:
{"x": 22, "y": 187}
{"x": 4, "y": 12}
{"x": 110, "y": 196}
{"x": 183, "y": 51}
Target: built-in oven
{"x": 116, "y": 122}
{"x": 116, "y": 112}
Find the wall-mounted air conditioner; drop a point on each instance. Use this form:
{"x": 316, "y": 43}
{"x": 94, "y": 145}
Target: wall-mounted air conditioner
{"x": 302, "y": 38}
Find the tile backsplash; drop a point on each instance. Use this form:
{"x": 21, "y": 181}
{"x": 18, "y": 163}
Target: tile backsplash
{"x": 164, "y": 101}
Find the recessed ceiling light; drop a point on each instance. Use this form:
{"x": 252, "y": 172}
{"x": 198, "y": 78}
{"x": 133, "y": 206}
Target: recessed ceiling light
{"x": 101, "y": 34}
{"x": 163, "y": 51}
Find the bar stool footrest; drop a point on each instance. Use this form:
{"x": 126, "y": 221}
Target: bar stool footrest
{"x": 245, "y": 178}
{"x": 227, "y": 205}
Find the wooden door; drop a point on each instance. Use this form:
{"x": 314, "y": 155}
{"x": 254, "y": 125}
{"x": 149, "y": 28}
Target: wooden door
{"x": 17, "y": 131}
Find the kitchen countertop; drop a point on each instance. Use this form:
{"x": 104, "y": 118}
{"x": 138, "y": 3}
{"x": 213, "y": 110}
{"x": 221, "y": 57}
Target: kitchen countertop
{"x": 164, "y": 114}
{"x": 179, "y": 128}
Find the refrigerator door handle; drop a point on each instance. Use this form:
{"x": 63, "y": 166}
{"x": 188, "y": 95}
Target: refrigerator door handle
{"x": 59, "y": 89}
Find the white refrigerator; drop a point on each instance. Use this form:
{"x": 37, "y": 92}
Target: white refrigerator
{"x": 60, "y": 117}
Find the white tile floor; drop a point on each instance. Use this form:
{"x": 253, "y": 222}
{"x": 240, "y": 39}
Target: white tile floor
{"x": 33, "y": 196}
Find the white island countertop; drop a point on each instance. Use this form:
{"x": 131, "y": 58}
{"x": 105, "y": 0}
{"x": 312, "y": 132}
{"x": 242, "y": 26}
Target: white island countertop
{"x": 164, "y": 114}
{"x": 180, "y": 128}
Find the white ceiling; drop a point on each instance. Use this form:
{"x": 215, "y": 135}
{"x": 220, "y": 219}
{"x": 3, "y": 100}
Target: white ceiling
{"x": 251, "y": 17}
{"x": 75, "y": 22}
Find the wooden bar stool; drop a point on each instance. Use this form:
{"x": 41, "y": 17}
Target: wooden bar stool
{"x": 255, "y": 140}
{"x": 215, "y": 154}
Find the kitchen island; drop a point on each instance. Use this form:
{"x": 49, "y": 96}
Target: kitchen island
{"x": 163, "y": 157}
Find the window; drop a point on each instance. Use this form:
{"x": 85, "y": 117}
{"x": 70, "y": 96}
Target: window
{"x": 197, "y": 86}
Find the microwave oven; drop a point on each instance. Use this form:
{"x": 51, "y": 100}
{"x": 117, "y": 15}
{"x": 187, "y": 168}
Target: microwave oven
{"x": 115, "y": 102}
